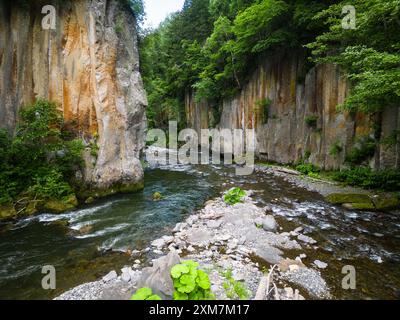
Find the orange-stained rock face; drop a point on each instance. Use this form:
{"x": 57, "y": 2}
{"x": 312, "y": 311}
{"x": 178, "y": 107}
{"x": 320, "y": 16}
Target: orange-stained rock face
{"x": 285, "y": 137}
{"x": 89, "y": 69}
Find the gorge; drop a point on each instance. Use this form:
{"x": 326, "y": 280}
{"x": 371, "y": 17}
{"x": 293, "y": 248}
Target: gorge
{"x": 324, "y": 104}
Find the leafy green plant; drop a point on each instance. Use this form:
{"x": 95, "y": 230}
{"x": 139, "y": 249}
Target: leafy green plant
{"x": 41, "y": 159}
{"x": 388, "y": 180}
{"x": 262, "y": 106}
{"x": 365, "y": 150}
{"x": 311, "y": 121}
{"x": 335, "y": 149}
{"x": 190, "y": 283}
{"x": 234, "y": 195}
{"x": 307, "y": 168}
{"x": 234, "y": 289}
{"x": 145, "y": 294}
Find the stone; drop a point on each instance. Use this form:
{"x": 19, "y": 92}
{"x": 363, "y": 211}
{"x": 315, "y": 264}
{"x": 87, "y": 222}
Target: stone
{"x": 112, "y": 275}
{"x": 60, "y": 206}
{"x": 320, "y": 264}
{"x": 306, "y": 239}
{"x": 158, "y": 276}
{"x": 214, "y": 224}
{"x": 340, "y": 198}
{"x": 159, "y": 243}
{"x": 359, "y": 206}
{"x": 269, "y": 254}
{"x": 126, "y": 274}
{"x": 269, "y": 224}
{"x": 89, "y": 200}
{"x": 386, "y": 202}
{"x": 288, "y": 264}
{"x": 310, "y": 280}
{"x": 7, "y": 211}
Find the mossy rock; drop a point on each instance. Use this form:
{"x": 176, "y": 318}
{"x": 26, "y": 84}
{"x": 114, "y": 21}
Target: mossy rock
{"x": 31, "y": 209}
{"x": 59, "y": 206}
{"x": 359, "y": 206}
{"x": 7, "y": 211}
{"x": 385, "y": 202}
{"x": 340, "y": 198}
{"x": 89, "y": 200}
{"x": 97, "y": 193}
{"x": 157, "y": 196}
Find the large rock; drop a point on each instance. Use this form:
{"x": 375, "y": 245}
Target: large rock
{"x": 89, "y": 66}
{"x": 158, "y": 277}
{"x": 269, "y": 254}
{"x": 269, "y": 224}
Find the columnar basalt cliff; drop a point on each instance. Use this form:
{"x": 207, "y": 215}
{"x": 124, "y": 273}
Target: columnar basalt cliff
{"x": 277, "y": 101}
{"x": 89, "y": 66}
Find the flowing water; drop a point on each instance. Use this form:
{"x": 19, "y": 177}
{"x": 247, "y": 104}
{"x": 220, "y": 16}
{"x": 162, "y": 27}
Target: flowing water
{"x": 368, "y": 241}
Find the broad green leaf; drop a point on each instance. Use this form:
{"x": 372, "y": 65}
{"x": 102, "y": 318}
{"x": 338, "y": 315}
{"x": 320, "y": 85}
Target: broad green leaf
{"x": 142, "y": 294}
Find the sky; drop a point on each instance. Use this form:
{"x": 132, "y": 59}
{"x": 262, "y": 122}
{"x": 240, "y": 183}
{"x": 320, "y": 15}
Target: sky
{"x": 158, "y": 10}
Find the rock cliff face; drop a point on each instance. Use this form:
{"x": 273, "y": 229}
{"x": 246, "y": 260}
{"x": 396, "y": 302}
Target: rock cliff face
{"x": 89, "y": 66}
{"x": 277, "y": 101}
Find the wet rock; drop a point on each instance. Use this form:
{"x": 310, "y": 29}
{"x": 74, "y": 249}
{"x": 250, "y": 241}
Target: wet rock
{"x": 112, "y": 275}
{"x": 158, "y": 276}
{"x": 159, "y": 243}
{"x": 386, "y": 202}
{"x": 157, "y": 196}
{"x": 320, "y": 264}
{"x": 306, "y": 239}
{"x": 126, "y": 274}
{"x": 85, "y": 229}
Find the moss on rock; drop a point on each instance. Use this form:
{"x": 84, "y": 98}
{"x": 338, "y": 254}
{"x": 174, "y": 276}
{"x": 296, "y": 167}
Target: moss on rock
{"x": 59, "y": 206}
{"x": 340, "y": 198}
{"x": 385, "y": 202}
{"x": 7, "y": 211}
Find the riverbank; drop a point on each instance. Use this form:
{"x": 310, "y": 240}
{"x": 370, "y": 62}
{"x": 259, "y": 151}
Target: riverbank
{"x": 237, "y": 245}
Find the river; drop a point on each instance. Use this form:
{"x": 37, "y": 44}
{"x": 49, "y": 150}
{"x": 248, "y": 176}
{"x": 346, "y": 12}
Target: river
{"x": 370, "y": 241}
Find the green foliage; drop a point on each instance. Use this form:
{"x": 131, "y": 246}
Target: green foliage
{"x": 335, "y": 149}
{"x": 211, "y": 47}
{"x": 364, "y": 150}
{"x": 39, "y": 160}
{"x": 190, "y": 283}
{"x": 234, "y": 289}
{"x": 263, "y": 106}
{"x": 369, "y": 54}
{"x": 307, "y": 168}
{"x": 234, "y": 195}
{"x": 145, "y": 294}
{"x": 311, "y": 121}
{"x": 388, "y": 180}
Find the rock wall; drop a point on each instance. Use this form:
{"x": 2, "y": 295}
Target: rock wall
{"x": 89, "y": 66}
{"x": 294, "y": 95}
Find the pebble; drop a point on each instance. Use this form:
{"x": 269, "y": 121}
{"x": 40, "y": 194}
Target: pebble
{"x": 320, "y": 264}
{"x": 112, "y": 275}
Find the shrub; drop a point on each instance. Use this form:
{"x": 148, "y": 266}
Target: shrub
{"x": 366, "y": 149}
{"x": 388, "y": 180}
{"x": 234, "y": 195}
{"x": 41, "y": 159}
{"x": 307, "y": 168}
{"x": 311, "y": 121}
{"x": 190, "y": 283}
{"x": 145, "y": 294}
{"x": 335, "y": 149}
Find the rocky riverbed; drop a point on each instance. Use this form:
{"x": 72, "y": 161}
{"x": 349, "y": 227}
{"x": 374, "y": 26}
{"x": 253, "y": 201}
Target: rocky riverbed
{"x": 242, "y": 243}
